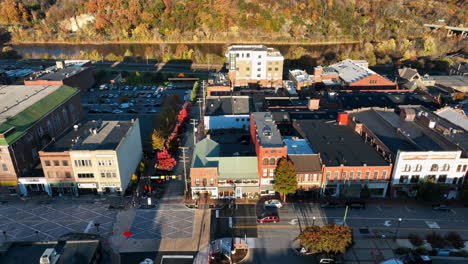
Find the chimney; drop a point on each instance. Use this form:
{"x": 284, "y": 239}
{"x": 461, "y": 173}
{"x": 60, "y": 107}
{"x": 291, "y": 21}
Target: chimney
{"x": 60, "y": 64}
{"x": 342, "y": 118}
{"x": 318, "y": 73}
{"x": 313, "y": 104}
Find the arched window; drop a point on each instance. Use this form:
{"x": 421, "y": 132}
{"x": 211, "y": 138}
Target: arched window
{"x": 265, "y": 161}
{"x": 272, "y": 161}
{"x": 407, "y": 167}
{"x": 434, "y": 167}
{"x": 418, "y": 167}
{"x": 65, "y": 115}
{"x": 71, "y": 109}
{"x": 446, "y": 167}
{"x": 50, "y": 128}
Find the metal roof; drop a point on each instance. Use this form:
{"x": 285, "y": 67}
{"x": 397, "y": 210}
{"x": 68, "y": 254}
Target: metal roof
{"x": 267, "y": 132}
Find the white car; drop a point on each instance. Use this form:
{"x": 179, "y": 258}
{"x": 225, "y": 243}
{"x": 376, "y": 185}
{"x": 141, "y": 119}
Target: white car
{"x": 117, "y": 111}
{"x": 273, "y": 203}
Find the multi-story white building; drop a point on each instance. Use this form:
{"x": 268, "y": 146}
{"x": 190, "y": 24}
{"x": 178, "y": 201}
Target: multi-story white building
{"x": 445, "y": 167}
{"x": 412, "y": 144}
{"x": 255, "y": 64}
{"x": 98, "y": 156}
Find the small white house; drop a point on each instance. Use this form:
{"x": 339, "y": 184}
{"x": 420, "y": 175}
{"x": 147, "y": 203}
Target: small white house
{"x": 227, "y": 112}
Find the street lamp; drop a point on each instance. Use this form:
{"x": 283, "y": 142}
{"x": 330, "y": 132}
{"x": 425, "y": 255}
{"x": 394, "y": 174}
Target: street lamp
{"x": 97, "y": 226}
{"x": 313, "y": 221}
{"x": 398, "y": 227}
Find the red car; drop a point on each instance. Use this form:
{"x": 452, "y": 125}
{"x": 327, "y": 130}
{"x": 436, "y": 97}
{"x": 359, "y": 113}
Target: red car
{"x": 268, "y": 219}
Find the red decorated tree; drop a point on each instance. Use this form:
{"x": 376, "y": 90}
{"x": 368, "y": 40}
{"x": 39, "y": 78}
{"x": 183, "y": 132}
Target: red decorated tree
{"x": 183, "y": 115}
{"x": 165, "y": 161}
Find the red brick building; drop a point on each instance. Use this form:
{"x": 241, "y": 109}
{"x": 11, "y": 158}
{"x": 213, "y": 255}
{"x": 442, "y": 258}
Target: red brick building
{"x": 81, "y": 78}
{"x": 349, "y": 163}
{"x": 32, "y": 117}
{"x": 269, "y": 147}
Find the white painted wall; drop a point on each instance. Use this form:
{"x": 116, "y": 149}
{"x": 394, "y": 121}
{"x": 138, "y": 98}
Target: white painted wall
{"x": 129, "y": 154}
{"x": 426, "y": 159}
{"x": 227, "y": 121}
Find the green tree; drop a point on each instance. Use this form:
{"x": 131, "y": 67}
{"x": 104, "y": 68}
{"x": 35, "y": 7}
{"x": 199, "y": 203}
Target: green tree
{"x": 193, "y": 94}
{"x": 285, "y": 179}
{"x": 365, "y": 192}
{"x": 157, "y": 141}
{"x": 330, "y": 238}
{"x": 429, "y": 191}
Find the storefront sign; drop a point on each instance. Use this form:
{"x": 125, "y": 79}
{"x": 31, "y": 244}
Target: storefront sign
{"x": 32, "y": 181}
{"x": 87, "y": 185}
{"x": 110, "y": 185}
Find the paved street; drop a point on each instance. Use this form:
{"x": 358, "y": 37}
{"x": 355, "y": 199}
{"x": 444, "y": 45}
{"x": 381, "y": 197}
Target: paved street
{"x": 21, "y": 220}
{"x": 272, "y": 243}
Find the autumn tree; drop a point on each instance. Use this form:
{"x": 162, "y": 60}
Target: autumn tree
{"x": 157, "y": 141}
{"x": 330, "y": 238}
{"x": 285, "y": 178}
{"x": 165, "y": 161}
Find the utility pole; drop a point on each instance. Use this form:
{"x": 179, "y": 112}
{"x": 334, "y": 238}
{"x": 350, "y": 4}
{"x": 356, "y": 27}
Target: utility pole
{"x": 199, "y": 101}
{"x": 194, "y": 123}
{"x": 203, "y": 92}
{"x": 184, "y": 160}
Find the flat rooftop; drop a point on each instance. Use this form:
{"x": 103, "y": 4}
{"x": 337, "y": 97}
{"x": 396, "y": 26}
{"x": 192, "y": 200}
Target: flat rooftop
{"x": 351, "y": 71}
{"x": 298, "y": 146}
{"x": 374, "y": 120}
{"x": 455, "y": 116}
{"x": 107, "y": 136}
{"x": 267, "y": 132}
{"x": 453, "y": 81}
{"x": 338, "y": 144}
{"x": 16, "y": 98}
{"x": 71, "y": 252}
{"x": 59, "y": 74}
{"x": 354, "y": 100}
{"x": 228, "y": 105}
{"x": 247, "y": 48}
{"x": 22, "y": 105}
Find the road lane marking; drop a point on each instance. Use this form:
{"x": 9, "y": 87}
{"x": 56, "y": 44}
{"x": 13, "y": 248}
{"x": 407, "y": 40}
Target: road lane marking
{"x": 379, "y": 208}
{"x": 88, "y": 227}
{"x": 387, "y": 223}
{"x": 407, "y": 209}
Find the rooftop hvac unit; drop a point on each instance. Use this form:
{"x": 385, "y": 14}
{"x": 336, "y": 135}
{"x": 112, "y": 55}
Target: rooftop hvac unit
{"x": 49, "y": 256}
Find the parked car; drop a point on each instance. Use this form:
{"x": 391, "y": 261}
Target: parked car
{"x": 273, "y": 203}
{"x": 413, "y": 258}
{"x": 117, "y": 111}
{"x": 326, "y": 259}
{"x": 441, "y": 207}
{"x": 356, "y": 205}
{"x": 268, "y": 218}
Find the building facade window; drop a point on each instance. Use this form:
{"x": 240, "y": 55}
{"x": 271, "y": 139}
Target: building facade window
{"x": 414, "y": 179}
{"x": 367, "y": 175}
{"x": 108, "y": 174}
{"x": 434, "y": 167}
{"x": 459, "y": 167}
{"x": 4, "y": 167}
{"x": 464, "y": 168}
{"x": 197, "y": 182}
{"x": 51, "y": 174}
{"x": 351, "y": 175}
{"x": 47, "y": 163}
{"x": 265, "y": 161}
{"x": 56, "y": 163}
{"x": 335, "y": 176}
{"x": 65, "y": 163}
{"x": 83, "y": 163}
{"x": 376, "y": 175}
{"x": 442, "y": 179}
{"x": 85, "y": 175}
{"x": 359, "y": 175}
{"x": 67, "y": 175}
{"x": 265, "y": 172}
{"x": 343, "y": 176}
{"x": 446, "y": 167}
{"x": 384, "y": 175}
{"x": 211, "y": 181}
{"x": 272, "y": 161}
{"x": 418, "y": 167}
{"x": 403, "y": 178}
{"x": 105, "y": 162}
{"x": 407, "y": 168}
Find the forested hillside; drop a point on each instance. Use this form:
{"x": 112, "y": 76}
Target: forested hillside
{"x": 388, "y": 27}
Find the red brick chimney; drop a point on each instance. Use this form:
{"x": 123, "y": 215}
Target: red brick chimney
{"x": 342, "y": 118}
{"x": 313, "y": 104}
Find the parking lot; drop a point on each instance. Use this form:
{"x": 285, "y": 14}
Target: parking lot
{"x": 35, "y": 222}
{"x": 132, "y": 99}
